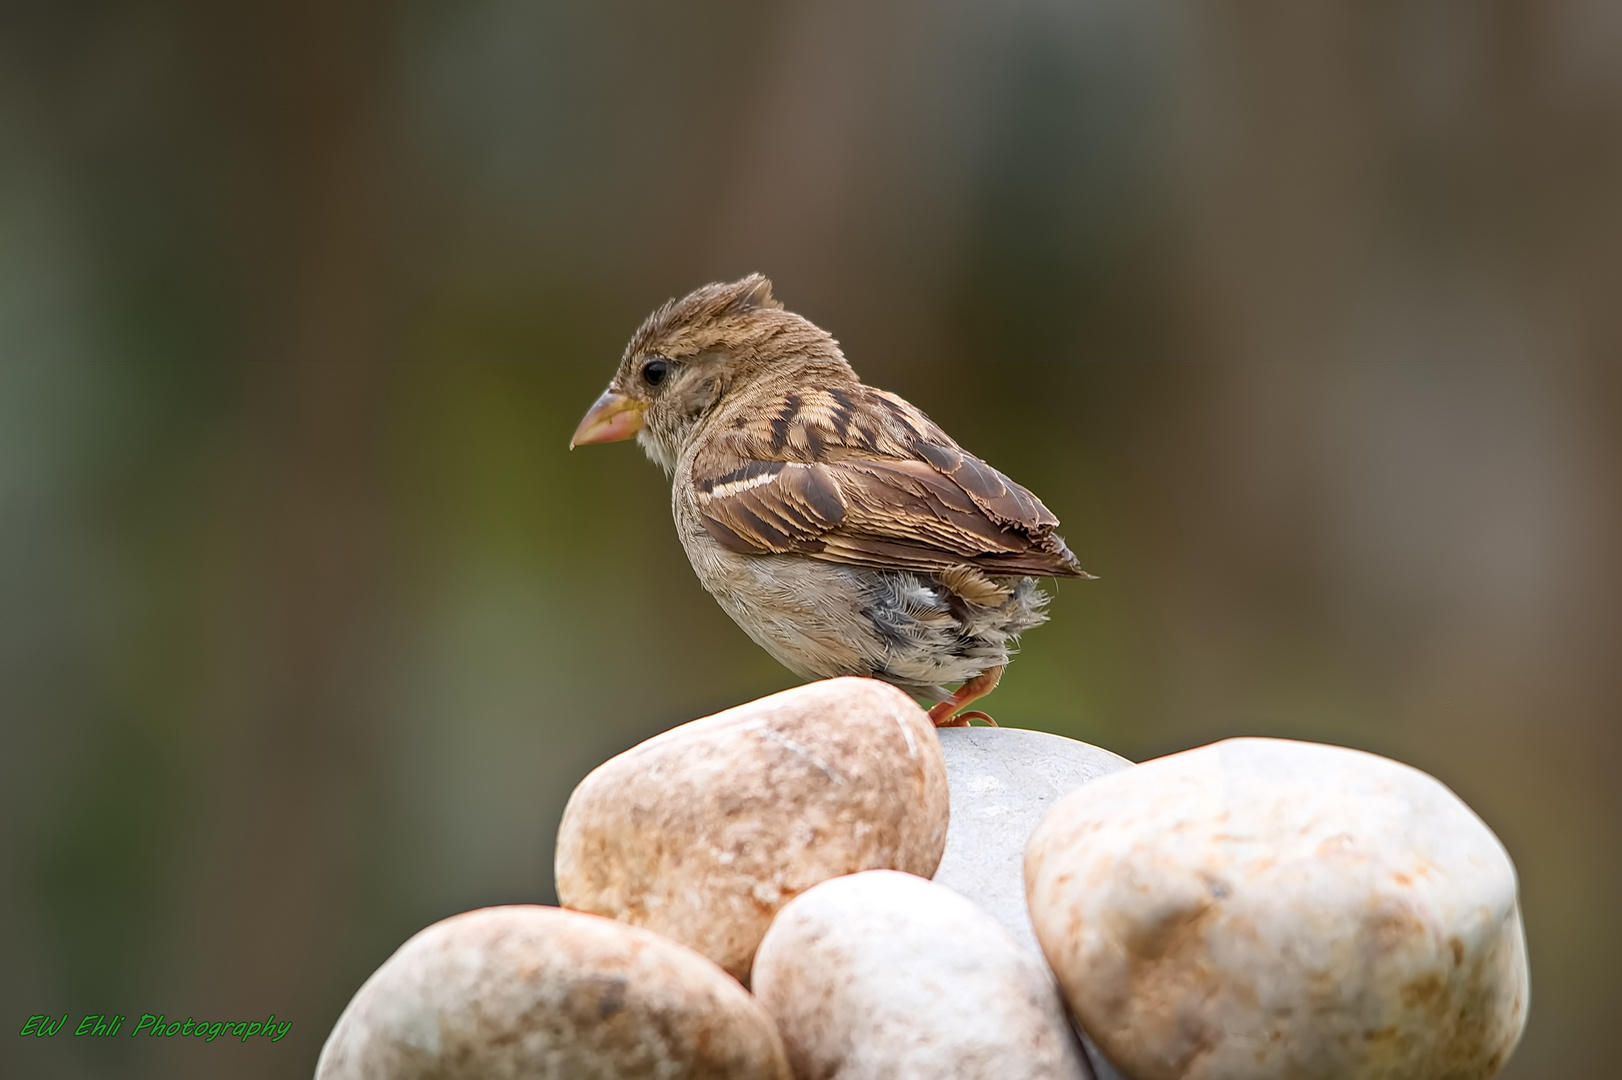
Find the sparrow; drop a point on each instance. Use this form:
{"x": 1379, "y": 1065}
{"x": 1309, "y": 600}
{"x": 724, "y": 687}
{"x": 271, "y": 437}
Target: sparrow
{"x": 840, "y": 527}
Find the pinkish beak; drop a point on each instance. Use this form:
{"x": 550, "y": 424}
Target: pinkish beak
{"x": 611, "y": 418}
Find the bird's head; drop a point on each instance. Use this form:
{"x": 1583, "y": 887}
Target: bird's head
{"x": 691, "y": 353}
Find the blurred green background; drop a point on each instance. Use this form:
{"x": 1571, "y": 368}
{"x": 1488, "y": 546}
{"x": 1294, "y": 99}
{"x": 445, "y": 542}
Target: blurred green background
{"x": 1301, "y": 317}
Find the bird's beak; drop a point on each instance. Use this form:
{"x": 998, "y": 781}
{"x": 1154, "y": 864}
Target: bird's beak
{"x": 611, "y": 418}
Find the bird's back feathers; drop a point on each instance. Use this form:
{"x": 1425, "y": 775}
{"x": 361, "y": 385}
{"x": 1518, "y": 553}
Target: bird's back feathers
{"x": 854, "y": 475}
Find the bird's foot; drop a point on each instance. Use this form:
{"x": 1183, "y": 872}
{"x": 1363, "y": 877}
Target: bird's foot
{"x": 963, "y": 719}
{"x": 946, "y": 713}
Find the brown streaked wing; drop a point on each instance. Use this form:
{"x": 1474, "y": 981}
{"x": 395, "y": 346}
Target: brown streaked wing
{"x": 761, "y": 507}
{"x": 929, "y": 507}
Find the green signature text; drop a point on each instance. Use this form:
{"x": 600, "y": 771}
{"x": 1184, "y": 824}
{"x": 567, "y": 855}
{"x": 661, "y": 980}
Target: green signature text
{"x": 104, "y": 1025}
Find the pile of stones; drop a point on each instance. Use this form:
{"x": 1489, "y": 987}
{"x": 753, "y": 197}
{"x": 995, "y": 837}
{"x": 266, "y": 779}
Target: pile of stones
{"x": 819, "y": 885}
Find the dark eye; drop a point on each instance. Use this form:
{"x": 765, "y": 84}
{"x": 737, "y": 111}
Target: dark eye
{"x": 654, "y": 371}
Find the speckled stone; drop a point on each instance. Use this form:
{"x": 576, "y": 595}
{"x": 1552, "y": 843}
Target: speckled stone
{"x": 703, "y": 832}
{"x": 537, "y": 993}
{"x": 883, "y": 975}
{"x": 1262, "y": 909}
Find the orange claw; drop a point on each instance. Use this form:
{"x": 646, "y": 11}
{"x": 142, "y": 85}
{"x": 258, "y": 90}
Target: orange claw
{"x": 945, "y": 714}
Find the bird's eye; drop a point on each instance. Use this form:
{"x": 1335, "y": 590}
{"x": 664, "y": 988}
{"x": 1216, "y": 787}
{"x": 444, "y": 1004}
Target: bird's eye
{"x": 654, "y": 372}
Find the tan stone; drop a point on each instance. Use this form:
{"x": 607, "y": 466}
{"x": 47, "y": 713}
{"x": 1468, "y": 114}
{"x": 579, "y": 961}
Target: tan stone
{"x": 703, "y": 832}
{"x": 1265, "y": 909}
{"x": 543, "y": 994}
{"x": 883, "y": 975}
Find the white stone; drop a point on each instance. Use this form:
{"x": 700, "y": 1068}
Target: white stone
{"x": 883, "y": 975}
{"x": 537, "y": 993}
{"x": 1002, "y": 781}
{"x": 703, "y": 832}
{"x": 1264, "y": 909}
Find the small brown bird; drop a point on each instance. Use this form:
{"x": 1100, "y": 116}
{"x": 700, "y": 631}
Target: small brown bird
{"x": 837, "y": 524}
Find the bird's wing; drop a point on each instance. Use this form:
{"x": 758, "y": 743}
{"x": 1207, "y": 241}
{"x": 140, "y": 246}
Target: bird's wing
{"x": 858, "y": 476}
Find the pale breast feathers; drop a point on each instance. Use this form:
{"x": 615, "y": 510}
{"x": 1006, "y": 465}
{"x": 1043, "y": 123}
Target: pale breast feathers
{"x": 858, "y": 476}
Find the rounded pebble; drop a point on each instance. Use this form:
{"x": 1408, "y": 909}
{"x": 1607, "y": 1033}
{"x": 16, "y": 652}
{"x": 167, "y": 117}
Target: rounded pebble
{"x": 703, "y": 832}
{"x": 1260, "y": 909}
{"x": 1003, "y": 780}
{"x": 543, "y": 994}
{"x": 882, "y": 975}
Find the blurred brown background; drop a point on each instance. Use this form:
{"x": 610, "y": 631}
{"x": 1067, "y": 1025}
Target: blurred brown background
{"x": 1302, "y": 317}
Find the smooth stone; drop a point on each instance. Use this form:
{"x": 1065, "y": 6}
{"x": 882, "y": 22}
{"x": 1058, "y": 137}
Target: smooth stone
{"x": 544, "y": 994}
{"x": 1261, "y": 908}
{"x": 883, "y": 974}
{"x": 703, "y": 832}
{"x": 1003, "y": 780}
